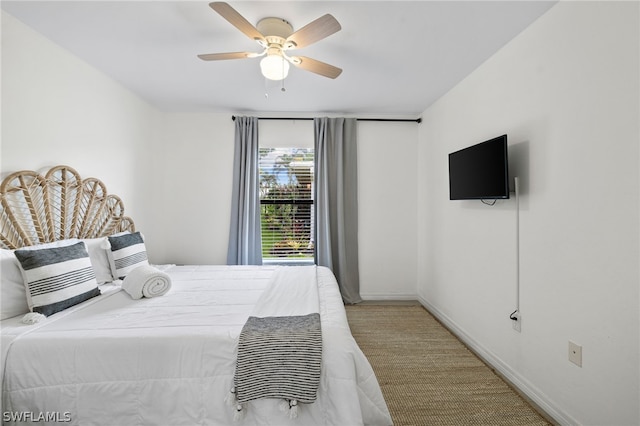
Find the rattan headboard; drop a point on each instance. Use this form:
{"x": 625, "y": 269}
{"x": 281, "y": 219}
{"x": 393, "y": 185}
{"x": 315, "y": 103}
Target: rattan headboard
{"x": 39, "y": 208}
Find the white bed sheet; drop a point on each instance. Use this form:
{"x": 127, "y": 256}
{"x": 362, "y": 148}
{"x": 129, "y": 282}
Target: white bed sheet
{"x": 170, "y": 360}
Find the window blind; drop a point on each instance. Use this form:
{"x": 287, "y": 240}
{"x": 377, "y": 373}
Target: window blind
{"x": 286, "y": 198}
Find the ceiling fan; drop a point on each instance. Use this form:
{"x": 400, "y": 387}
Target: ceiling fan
{"x": 276, "y": 36}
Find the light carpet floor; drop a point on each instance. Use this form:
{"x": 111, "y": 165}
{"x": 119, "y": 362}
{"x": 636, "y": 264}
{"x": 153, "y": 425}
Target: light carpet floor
{"x": 427, "y": 376}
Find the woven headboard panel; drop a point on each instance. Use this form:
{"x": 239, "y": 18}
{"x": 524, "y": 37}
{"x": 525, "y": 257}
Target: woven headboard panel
{"x": 37, "y": 208}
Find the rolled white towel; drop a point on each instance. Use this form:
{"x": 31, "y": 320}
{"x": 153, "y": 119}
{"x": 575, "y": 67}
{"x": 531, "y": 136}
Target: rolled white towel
{"x": 146, "y": 281}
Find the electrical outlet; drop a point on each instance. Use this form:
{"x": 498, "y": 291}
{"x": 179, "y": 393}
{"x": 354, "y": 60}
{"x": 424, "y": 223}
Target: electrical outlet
{"x": 516, "y": 321}
{"x": 575, "y": 353}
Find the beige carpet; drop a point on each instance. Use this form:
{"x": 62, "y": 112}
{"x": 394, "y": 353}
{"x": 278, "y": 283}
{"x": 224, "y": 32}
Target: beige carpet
{"x": 427, "y": 376}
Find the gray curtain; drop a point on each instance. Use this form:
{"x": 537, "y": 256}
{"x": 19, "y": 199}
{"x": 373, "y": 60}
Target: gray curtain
{"x": 336, "y": 202}
{"x": 244, "y": 235}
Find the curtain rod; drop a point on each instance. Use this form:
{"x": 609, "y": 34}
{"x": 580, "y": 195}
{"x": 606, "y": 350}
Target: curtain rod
{"x": 415, "y": 120}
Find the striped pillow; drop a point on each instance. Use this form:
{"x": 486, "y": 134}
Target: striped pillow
{"x": 57, "y": 278}
{"x": 127, "y": 253}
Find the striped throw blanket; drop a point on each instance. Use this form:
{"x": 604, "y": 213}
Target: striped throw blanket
{"x": 280, "y": 346}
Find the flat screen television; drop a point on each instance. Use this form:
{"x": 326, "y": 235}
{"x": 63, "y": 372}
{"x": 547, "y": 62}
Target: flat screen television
{"x": 480, "y": 171}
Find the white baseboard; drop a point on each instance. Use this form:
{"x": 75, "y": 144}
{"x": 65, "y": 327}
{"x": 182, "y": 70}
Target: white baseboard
{"x": 526, "y": 388}
{"x": 388, "y": 296}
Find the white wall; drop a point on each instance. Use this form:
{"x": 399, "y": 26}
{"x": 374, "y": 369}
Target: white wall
{"x": 192, "y": 190}
{"x": 387, "y": 209}
{"x": 56, "y": 109}
{"x": 566, "y": 92}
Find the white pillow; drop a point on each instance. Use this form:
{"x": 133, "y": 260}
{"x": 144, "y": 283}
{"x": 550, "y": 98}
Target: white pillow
{"x": 13, "y": 299}
{"x": 98, "y": 249}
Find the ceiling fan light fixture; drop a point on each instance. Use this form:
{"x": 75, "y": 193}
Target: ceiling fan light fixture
{"x": 276, "y": 36}
{"x": 274, "y": 67}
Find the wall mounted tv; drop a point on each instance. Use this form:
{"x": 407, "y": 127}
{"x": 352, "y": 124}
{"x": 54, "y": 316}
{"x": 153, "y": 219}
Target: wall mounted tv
{"x": 480, "y": 171}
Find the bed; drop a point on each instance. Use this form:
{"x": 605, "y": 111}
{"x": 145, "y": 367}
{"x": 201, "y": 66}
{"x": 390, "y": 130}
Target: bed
{"x": 172, "y": 358}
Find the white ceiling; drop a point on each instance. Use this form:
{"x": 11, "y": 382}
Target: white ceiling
{"x": 397, "y": 57}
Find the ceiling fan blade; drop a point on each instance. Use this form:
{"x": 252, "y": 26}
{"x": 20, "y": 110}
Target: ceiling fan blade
{"x": 229, "y": 55}
{"x": 237, "y": 20}
{"x": 316, "y": 66}
{"x": 312, "y": 32}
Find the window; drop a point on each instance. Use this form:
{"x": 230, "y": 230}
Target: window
{"x": 286, "y": 203}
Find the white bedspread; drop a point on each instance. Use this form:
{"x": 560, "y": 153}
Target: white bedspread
{"x": 170, "y": 360}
